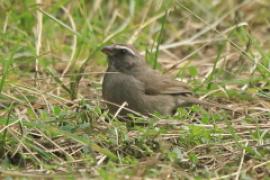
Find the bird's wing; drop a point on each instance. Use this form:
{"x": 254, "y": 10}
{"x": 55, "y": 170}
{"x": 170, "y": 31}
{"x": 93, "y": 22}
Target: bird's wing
{"x": 156, "y": 83}
{"x": 174, "y": 87}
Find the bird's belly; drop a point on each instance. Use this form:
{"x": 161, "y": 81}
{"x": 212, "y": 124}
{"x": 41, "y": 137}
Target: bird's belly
{"x": 116, "y": 91}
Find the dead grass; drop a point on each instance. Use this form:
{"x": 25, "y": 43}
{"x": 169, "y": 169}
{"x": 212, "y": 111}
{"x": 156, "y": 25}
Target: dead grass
{"x": 53, "y": 123}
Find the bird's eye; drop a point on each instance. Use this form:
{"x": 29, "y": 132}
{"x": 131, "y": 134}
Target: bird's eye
{"x": 123, "y": 51}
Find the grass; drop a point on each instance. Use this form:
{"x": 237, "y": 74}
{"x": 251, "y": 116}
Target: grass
{"x": 54, "y": 124}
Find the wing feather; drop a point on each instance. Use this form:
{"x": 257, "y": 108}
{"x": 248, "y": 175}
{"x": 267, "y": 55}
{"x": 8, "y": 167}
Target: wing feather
{"x": 156, "y": 83}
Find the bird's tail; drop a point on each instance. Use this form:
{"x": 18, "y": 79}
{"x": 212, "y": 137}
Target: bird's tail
{"x": 188, "y": 101}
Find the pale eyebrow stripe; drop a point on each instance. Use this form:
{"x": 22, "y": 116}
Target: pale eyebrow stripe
{"x": 126, "y": 48}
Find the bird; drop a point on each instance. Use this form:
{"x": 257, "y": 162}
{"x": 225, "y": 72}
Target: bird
{"x": 130, "y": 81}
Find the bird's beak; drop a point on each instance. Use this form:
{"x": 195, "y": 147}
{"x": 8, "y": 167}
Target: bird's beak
{"x": 108, "y": 50}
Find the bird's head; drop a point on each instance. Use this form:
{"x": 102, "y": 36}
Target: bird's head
{"x": 124, "y": 58}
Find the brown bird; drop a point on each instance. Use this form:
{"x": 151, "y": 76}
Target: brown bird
{"x": 130, "y": 79}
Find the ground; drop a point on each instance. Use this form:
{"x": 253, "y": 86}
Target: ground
{"x": 54, "y": 123}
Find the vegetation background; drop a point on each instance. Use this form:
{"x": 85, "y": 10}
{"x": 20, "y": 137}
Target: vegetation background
{"x": 53, "y": 123}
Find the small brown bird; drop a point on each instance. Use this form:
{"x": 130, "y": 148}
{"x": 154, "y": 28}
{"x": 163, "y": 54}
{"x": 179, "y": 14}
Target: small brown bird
{"x": 130, "y": 79}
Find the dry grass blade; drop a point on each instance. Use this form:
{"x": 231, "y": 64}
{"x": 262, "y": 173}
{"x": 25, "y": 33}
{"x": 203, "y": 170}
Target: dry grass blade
{"x": 38, "y": 36}
{"x": 241, "y": 162}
